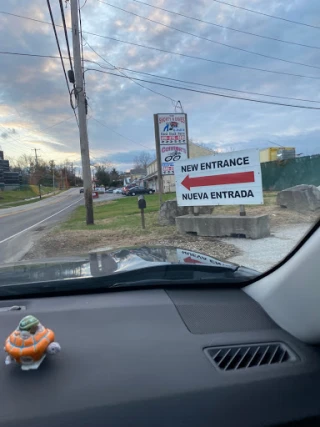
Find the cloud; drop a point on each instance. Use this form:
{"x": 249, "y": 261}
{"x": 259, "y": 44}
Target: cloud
{"x": 34, "y": 96}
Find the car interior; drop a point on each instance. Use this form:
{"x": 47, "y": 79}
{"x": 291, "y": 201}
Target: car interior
{"x": 217, "y": 355}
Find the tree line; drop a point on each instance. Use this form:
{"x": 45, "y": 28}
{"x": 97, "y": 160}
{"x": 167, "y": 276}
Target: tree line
{"x": 47, "y": 173}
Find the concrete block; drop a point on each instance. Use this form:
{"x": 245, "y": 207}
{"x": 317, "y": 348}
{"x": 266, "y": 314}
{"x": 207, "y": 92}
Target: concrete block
{"x": 251, "y": 227}
{"x": 170, "y": 210}
{"x": 301, "y": 198}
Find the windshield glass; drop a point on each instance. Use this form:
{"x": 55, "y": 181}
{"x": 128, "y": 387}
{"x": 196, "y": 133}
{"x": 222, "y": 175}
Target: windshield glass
{"x": 166, "y": 137}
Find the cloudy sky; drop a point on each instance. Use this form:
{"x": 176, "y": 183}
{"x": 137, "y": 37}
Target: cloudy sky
{"x": 34, "y": 98}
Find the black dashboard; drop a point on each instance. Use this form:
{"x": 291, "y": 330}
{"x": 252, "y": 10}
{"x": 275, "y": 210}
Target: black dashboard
{"x": 140, "y": 358}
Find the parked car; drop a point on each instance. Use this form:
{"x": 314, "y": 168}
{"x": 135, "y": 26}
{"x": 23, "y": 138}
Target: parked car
{"x": 110, "y": 190}
{"x": 139, "y": 190}
{"x": 127, "y": 188}
{"x": 100, "y": 190}
{"x": 81, "y": 190}
{"x": 117, "y": 191}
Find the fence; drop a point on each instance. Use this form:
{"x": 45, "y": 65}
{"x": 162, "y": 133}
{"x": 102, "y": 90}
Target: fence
{"x": 280, "y": 175}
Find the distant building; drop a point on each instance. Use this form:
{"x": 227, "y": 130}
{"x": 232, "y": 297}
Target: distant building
{"x": 135, "y": 176}
{"x": 271, "y": 154}
{"x": 169, "y": 184}
{"x": 8, "y": 180}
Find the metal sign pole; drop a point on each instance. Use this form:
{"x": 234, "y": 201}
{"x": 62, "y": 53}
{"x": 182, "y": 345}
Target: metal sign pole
{"x": 142, "y": 219}
{"x": 242, "y": 210}
{"x": 158, "y": 151}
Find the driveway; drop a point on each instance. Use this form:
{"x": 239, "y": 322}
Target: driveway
{"x": 262, "y": 254}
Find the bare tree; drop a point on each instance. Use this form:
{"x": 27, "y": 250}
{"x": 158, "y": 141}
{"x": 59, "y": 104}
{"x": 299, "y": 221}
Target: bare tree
{"x": 142, "y": 160}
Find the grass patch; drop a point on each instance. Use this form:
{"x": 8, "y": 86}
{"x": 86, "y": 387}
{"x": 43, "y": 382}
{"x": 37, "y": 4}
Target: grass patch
{"x": 122, "y": 215}
{"x": 18, "y": 197}
{"x": 269, "y": 198}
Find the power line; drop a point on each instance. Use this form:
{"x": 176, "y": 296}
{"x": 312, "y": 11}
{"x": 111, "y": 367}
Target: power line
{"x": 169, "y": 78}
{"x": 60, "y": 54}
{"x": 212, "y": 93}
{"x": 65, "y": 32}
{"x": 58, "y": 44}
{"x": 173, "y": 53}
{"x": 81, "y": 45}
{"x": 85, "y": 2}
{"x": 227, "y": 28}
{"x": 31, "y": 54}
{"x": 266, "y": 14}
{"x": 210, "y": 40}
{"x": 206, "y": 85}
{"x": 125, "y": 75}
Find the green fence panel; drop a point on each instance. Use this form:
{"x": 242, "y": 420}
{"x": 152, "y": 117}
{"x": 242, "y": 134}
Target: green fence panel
{"x": 279, "y": 175}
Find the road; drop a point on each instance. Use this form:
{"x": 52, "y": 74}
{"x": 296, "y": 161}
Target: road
{"x": 21, "y": 226}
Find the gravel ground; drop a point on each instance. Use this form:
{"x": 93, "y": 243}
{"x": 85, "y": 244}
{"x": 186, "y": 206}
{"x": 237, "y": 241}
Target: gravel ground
{"x": 67, "y": 243}
{"x": 263, "y": 254}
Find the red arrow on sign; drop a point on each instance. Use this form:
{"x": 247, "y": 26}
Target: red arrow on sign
{"x": 191, "y": 260}
{"x": 229, "y": 178}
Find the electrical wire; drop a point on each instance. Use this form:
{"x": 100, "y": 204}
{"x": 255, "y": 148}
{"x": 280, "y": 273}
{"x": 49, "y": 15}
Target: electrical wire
{"x": 82, "y": 56}
{"x": 266, "y": 14}
{"x": 125, "y": 75}
{"x": 227, "y": 28}
{"x": 210, "y": 40}
{"x": 58, "y": 44}
{"x": 65, "y": 33}
{"x": 211, "y": 93}
{"x": 85, "y": 2}
{"x": 170, "y": 78}
{"x": 60, "y": 54}
{"x": 173, "y": 53}
{"x": 206, "y": 85}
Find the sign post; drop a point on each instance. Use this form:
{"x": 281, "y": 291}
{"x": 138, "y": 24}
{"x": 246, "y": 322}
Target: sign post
{"x": 171, "y": 136}
{"x": 242, "y": 210}
{"x": 223, "y": 179}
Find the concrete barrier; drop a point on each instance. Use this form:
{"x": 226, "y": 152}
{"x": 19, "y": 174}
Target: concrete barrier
{"x": 250, "y": 227}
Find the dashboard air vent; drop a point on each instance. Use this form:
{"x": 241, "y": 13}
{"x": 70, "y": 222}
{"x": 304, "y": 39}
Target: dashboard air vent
{"x": 233, "y": 358}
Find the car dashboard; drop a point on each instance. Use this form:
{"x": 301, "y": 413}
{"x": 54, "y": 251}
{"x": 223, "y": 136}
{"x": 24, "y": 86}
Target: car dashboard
{"x": 161, "y": 357}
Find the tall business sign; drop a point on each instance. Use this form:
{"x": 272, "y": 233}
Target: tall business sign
{"x": 171, "y": 133}
{"x": 223, "y": 179}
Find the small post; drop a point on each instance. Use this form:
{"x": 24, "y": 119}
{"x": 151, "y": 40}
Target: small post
{"x": 196, "y": 210}
{"x": 242, "y": 210}
{"x": 142, "y": 206}
{"x": 142, "y": 219}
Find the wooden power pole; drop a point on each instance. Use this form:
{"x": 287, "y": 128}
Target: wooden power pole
{"x": 82, "y": 114}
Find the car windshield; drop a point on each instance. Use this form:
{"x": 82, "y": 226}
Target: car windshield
{"x": 163, "y": 138}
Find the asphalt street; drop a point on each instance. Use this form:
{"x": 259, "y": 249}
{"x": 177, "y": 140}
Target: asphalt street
{"x": 21, "y": 226}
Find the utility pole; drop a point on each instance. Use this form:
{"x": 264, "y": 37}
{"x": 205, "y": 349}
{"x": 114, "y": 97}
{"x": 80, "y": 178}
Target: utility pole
{"x": 81, "y": 101}
{"x": 36, "y": 157}
{"x": 53, "y": 180}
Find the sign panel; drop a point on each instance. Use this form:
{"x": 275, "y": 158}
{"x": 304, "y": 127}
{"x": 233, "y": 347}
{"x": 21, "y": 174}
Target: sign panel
{"x": 223, "y": 179}
{"x": 173, "y": 139}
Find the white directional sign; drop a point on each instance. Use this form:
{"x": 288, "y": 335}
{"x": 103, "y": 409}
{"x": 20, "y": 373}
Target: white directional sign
{"x": 223, "y": 179}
